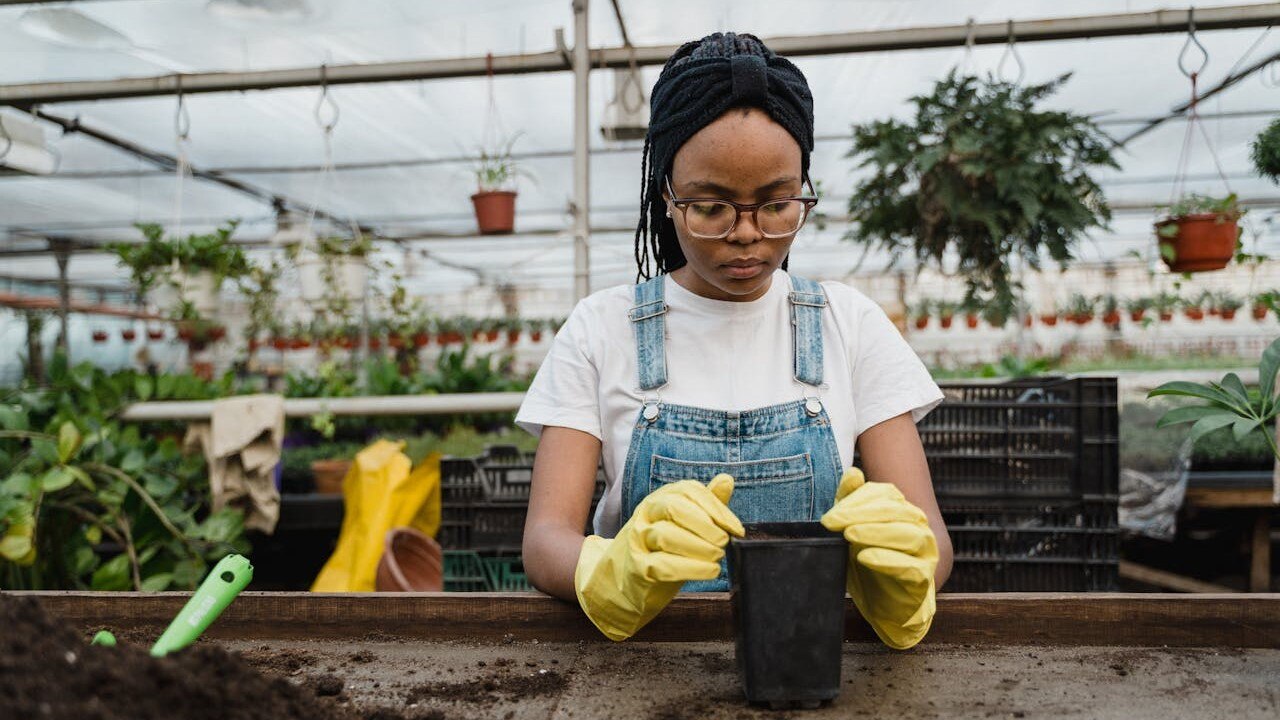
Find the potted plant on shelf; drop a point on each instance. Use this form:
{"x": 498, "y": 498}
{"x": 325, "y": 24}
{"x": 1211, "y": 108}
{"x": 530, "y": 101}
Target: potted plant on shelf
{"x": 1165, "y": 304}
{"x": 535, "y": 327}
{"x": 982, "y": 172}
{"x": 946, "y": 310}
{"x": 1080, "y": 309}
{"x": 494, "y": 201}
{"x": 512, "y": 325}
{"x": 1049, "y": 318}
{"x": 919, "y": 312}
{"x": 1262, "y": 303}
{"x": 1199, "y": 233}
{"x": 1110, "y": 310}
{"x": 1227, "y": 304}
{"x": 128, "y": 334}
{"x": 1137, "y": 307}
{"x": 1194, "y": 309}
{"x": 99, "y": 336}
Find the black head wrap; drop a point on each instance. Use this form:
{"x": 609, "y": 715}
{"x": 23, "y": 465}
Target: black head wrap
{"x": 699, "y": 82}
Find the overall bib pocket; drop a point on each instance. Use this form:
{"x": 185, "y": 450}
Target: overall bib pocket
{"x": 772, "y": 490}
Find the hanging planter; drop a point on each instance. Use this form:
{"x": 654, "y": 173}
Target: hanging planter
{"x": 334, "y": 274}
{"x": 99, "y": 336}
{"x": 920, "y": 313}
{"x": 1049, "y": 319}
{"x": 1110, "y": 311}
{"x": 1200, "y": 234}
{"x": 155, "y": 333}
{"x": 1193, "y": 311}
{"x": 971, "y": 320}
{"x": 491, "y": 334}
{"x": 183, "y": 275}
{"x": 128, "y": 335}
{"x": 1080, "y": 309}
{"x": 495, "y": 211}
{"x": 1137, "y": 308}
{"x": 421, "y": 339}
{"x": 280, "y": 343}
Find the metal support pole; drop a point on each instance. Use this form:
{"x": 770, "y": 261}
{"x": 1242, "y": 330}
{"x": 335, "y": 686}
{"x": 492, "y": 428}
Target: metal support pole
{"x": 62, "y": 254}
{"x": 581, "y": 154}
{"x": 992, "y": 33}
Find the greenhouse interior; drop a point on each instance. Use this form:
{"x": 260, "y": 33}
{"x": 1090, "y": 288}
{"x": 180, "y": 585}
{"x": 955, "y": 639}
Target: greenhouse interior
{"x": 330, "y": 348}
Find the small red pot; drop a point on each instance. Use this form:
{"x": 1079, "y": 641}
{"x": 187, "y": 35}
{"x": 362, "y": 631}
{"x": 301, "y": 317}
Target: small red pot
{"x": 129, "y": 335}
{"x": 1259, "y": 312}
{"x": 1193, "y": 313}
{"x": 535, "y": 335}
{"x": 155, "y": 334}
{"x": 1049, "y": 320}
{"x": 491, "y": 335}
{"x": 280, "y": 344}
{"x": 421, "y": 339}
{"x": 495, "y": 211}
{"x": 1228, "y": 314}
{"x": 922, "y": 322}
{"x": 1166, "y": 315}
{"x": 1112, "y": 318}
{"x": 99, "y": 336}
{"x": 513, "y": 336}
{"x": 395, "y": 341}
{"x": 971, "y": 321}
{"x": 1137, "y": 315}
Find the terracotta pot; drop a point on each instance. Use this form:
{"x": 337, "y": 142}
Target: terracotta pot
{"x": 1026, "y": 321}
{"x": 535, "y": 335}
{"x": 1204, "y": 242}
{"x": 185, "y": 332}
{"x": 971, "y": 321}
{"x": 1193, "y": 313}
{"x": 513, "y": 336}
{"x": 299, "y": 344}
{"x": 922, "y": 322}
{"x": 129, "y": 335}
{"x": 375, "y": 343}
{"x": 99, "y": 336}
{"x": 280, "y": 344}
{"x": 1136, "y": 315}
{"x": 1228, "y": 314}
{"x": 945, "y": 321}
{"x": 155, "y": 334}
{"x": 1166, "y": 315}
{"x": 217, "y": 332}
{"x": 1082, "y": 318}
{"x": 1214, "y": 312}
{"x": 1049, "y": 320}
{"x": 411, "y": 562}
{"x": 1112, "y": 318}
{"x": 495, "y": 211}
{"x": 395, "y": 341}
{"x": 491, "y": 335}
{"x": 1259, "y": 312}
{"x": 421, "y": 339}
{"x": 328, "y": 475}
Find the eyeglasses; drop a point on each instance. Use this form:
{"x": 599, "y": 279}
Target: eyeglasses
{"x": 713, "y": 219}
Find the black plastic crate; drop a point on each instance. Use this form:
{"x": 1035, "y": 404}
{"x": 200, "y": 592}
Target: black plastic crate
{"x": 461, "y": 480}
{"x": 498, "y": 527}
{"x": 1019, "y": 545}
{"x": 1032, "y": 438}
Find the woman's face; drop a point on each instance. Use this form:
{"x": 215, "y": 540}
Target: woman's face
{"x": 745, "y": 157}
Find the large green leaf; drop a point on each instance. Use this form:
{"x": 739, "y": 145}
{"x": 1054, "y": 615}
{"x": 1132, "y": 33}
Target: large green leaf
{"x": 1231, "y": 384}
{"x": 1190, "y": 413}
{"x": 134, "y": 461}
{"x": 1267, "y": 369}
{"x": 15, "y": 547}
{"x": 1243, "y": 426}
{"x": 157, "y": 582}
{"x": 57, "y": 478}
{"x": 12, "y": 417}
{"x": 1209, "y": 424}
{"x": 143, "y": 386}
{"x": 112, "y": 574}
{"x": 1183, "y": 388}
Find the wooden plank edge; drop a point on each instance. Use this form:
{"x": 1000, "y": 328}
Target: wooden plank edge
{"x": 1169, "y": 581}
{"x": 1051, "y": 619}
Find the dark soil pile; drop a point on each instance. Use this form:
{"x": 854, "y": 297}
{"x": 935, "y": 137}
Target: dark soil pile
{"x": 49, "y": 671}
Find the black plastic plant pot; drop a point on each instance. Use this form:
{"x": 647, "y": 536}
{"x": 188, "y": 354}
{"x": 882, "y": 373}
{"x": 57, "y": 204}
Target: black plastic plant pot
{"x": 788, "y": 612}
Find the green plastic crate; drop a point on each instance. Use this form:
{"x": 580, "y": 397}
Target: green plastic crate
{"x": 465, "y": 571}
{"x": 506, "y": 574}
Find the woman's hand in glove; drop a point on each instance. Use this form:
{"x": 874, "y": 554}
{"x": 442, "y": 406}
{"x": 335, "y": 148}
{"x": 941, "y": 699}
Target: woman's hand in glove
{"x": 677, "y": 533}
{"x": 892, "y": 558}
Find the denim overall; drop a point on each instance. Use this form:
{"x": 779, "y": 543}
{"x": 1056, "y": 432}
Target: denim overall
{"x": 783, "y": 458}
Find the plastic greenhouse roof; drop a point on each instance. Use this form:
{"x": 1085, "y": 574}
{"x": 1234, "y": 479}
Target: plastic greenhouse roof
{"x": 98, "y": 192}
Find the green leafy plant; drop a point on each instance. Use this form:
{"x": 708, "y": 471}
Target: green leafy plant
{"x": 89, "y": 502}
{"x": 1230, "y": 403}
{"x": 496, "y": 169}
{"x": 1016, "y": 367}
{"x": 1265, "y": 152}
{"x": 982, "y": 170}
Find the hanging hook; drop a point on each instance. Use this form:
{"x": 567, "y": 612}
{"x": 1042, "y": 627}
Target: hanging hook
{"x": 326, "y": 100}
{"x": 182, "y": 119}
{"x": 1192, "y": 39}
{"x": 968, "y": 44}
{"x": 1011, "y": 48}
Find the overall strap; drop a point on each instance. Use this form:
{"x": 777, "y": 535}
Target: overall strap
{"x": 807, "y": 301}
{"x": 648, "y": 322}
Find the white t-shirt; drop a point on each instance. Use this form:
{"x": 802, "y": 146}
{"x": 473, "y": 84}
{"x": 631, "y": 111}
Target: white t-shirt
{"x": 721, "y": 355}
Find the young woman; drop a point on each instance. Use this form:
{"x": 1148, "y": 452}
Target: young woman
{"x": 723, "y": 390}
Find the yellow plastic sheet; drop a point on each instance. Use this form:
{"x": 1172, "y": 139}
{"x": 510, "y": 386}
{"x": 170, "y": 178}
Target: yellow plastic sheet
{"x": 381, "y": 491}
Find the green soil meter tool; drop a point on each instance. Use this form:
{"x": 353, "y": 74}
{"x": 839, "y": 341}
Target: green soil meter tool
{"x": 228, "y": 578}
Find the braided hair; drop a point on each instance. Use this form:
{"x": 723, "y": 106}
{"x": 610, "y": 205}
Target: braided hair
{"x": 700, "y": 82}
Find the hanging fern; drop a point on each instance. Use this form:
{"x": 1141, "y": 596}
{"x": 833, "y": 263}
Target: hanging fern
{"x": 983, "y": 172}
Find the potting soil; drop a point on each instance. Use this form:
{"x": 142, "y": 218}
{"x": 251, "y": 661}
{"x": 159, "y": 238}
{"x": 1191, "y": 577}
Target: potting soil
{"x": 50, "y": 671}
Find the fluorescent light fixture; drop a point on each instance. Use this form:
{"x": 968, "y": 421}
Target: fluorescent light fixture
{"x": 22, "y": 146}
{"x": 72, "y": 28}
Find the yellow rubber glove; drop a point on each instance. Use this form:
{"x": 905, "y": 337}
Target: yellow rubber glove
{"x": 892, "y": 557}
{"x": 677, "y": 533}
